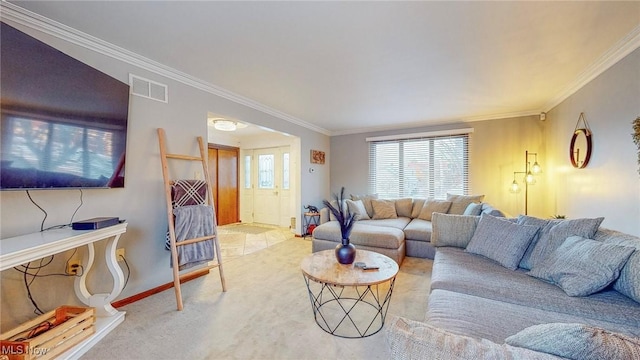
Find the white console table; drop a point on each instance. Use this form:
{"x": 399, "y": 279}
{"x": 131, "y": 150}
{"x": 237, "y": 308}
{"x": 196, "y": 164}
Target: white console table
{"x": 23, "y": 249}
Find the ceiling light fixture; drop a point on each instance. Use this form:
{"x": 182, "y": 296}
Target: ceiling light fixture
{"x": 225, "y": 125}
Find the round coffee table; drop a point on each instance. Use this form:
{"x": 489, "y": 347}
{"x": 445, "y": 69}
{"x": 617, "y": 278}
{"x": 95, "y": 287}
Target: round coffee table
{"x": 348, "y": 301}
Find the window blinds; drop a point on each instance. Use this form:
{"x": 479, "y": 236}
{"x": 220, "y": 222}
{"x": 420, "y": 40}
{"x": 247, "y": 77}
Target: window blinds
{"x": 423, "y": 167}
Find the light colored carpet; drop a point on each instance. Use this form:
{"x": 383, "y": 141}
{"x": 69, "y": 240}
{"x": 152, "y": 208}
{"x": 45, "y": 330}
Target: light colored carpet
{"x": 265, "y": 314}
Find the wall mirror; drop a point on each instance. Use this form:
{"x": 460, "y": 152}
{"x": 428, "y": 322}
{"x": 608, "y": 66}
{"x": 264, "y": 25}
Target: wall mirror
{"x": 580, "y": 149}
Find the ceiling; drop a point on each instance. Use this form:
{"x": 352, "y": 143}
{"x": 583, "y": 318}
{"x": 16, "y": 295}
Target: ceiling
{"x": 346, "y": 67}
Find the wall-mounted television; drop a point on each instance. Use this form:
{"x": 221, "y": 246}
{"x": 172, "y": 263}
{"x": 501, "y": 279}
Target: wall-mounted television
{"x": 64, "y": 123}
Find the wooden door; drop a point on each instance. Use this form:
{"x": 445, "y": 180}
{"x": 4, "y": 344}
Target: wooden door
{"x": 223, "y": 170}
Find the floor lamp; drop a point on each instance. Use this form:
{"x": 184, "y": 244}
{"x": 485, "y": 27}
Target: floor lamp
{"x": 529, "y": 177}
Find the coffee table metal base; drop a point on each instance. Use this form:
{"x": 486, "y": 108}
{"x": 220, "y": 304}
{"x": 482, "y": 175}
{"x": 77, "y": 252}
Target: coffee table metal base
{"x": 350, "y": 311}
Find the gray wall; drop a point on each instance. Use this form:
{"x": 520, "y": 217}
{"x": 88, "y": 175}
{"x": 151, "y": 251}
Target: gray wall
{"x": 141, "y": 202}
{"x": 610, "y": 185}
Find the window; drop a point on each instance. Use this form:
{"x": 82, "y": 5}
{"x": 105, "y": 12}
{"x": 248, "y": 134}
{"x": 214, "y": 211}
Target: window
{"x": 247, "y": 172}
{"x": 266, "y": 172}
{"x": 427, "y": 166}
{"x": 285, "y": 171}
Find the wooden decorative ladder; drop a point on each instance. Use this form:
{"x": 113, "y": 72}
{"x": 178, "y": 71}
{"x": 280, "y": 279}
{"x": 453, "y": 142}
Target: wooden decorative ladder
{"x": 177, "y": 276}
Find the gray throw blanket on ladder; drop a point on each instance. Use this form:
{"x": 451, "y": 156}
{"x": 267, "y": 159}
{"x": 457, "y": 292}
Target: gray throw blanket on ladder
{"x": 194, "y": 221}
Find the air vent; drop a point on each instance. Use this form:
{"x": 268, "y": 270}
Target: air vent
{"x": 148, "y": 89}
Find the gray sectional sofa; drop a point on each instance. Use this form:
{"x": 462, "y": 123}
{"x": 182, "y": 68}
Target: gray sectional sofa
{"x": 395, "y": 227}
{"x": 481, "y": 306}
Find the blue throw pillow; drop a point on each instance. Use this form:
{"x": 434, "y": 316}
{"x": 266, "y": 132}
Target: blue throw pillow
{"x": 581, "y": 266}
{"x": 501, "y": 240}
{"x": 576, "y": 341}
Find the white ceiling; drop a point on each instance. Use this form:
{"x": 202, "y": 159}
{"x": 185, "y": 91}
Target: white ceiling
{"x": 347, "y": 67}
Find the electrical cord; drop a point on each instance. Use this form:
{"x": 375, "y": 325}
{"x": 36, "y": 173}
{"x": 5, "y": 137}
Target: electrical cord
{"x": 78, "y": 208}
{"x": 41, "y": 209}
{"x": 128, "y": 271}
{"x": 26, "y": 273}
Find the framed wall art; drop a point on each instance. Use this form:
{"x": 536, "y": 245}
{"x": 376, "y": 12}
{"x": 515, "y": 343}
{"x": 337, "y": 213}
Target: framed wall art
{"x": 317, "y": 157}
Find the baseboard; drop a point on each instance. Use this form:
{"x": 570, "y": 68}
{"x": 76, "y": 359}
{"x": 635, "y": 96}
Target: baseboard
{"x": 161, "y": 288}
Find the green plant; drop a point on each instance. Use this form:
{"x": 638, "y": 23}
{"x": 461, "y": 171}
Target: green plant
{"x": 558, "y": 217}
{"x": 636, "y": 137}
{"x": 345, "y": 218}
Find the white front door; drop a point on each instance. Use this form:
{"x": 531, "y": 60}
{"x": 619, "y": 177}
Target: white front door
{"x": 267, "y": 191}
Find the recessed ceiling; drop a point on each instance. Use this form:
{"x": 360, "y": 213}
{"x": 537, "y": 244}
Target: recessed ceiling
{"x": 355, "y": 66}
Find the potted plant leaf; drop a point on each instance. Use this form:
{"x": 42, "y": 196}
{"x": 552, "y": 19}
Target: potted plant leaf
{"x": 345, "y": 252}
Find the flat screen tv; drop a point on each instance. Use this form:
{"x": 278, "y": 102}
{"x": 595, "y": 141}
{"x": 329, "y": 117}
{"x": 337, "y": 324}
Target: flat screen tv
{"x": 64, "y": 123}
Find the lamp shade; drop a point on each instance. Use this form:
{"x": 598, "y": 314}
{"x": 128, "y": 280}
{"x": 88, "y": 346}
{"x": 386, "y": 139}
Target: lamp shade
{"x": 536, "y": 169}
{"x": 514, "y": 187}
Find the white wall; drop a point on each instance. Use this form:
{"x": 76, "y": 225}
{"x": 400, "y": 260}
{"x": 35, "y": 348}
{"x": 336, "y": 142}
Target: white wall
{"x": 141, "y": 202}
{"x": 610, "y": 184}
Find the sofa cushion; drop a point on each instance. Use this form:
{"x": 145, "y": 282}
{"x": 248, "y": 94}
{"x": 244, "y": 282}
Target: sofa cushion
{"x": 357, "y": 208}
{"x": 628, "y": 282}
{"x": 457, "y": 270}
{"x": 496, "y": 320}
{"x": 398, "y": 223}
{"x": 488, "y": 209}
{"x": 417, "y": 207}
{"x": 430, "y": 206}
{"x": 404, "y": 207}
{"x": 552, "y": 233}
{"x": 453, "y": 230}
{"x": 474, "y": 209}
{"x": 362, "y": 234}
{"x": 418, "y": 229}
{"x": 577, "y": 342}
{"x": 459, "y": 203}
{"x": 582, "y": 266}
{"x": 366, "y": 200}
{"x": 383, "y": 209}
{"x": 501, "y": 240}
{"x": 409, "y": 339}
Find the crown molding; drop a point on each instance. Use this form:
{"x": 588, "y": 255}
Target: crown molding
{"x": 617, "y": 52}
{"x": 14, "y": 13}
{"x": 432, "y": 123}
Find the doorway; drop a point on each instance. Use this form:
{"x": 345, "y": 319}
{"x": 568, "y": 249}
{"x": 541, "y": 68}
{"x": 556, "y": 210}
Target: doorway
{"x": 266, "y": 196}
{"x": 223, "y": 171}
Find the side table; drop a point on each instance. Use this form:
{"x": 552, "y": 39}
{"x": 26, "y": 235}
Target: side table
{"x": 309, "y": 221}
{"x": 348, "y": 301}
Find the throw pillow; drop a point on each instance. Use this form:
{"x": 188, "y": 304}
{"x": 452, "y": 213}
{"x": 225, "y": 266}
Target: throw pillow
{"x": 581, "y": 266}
{"x": 404, "y": 207}
{"x": 417, "y": 207}
{"x": 409, "y": 339}
{"x": 452, "y": 230}
{"x": 366, "y": 200}
{"x": 433, "y": 206}
{"x": 576, "y": 341}
{"x": 552, "y": 233}
{"x": 501, "y": 240}
{"x": 357, "y": 209}
{"x": 628, "y": 282}
{"x": 474, "y": 209}
{"x": 383, "y": 209}
{"x": 459, "y": 203}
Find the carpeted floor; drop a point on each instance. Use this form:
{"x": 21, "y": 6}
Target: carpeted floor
{"x": 265, "y": 314}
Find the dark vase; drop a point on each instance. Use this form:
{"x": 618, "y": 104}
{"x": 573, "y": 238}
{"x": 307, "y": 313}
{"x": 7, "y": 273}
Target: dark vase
{"x": 345, "y": 253}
